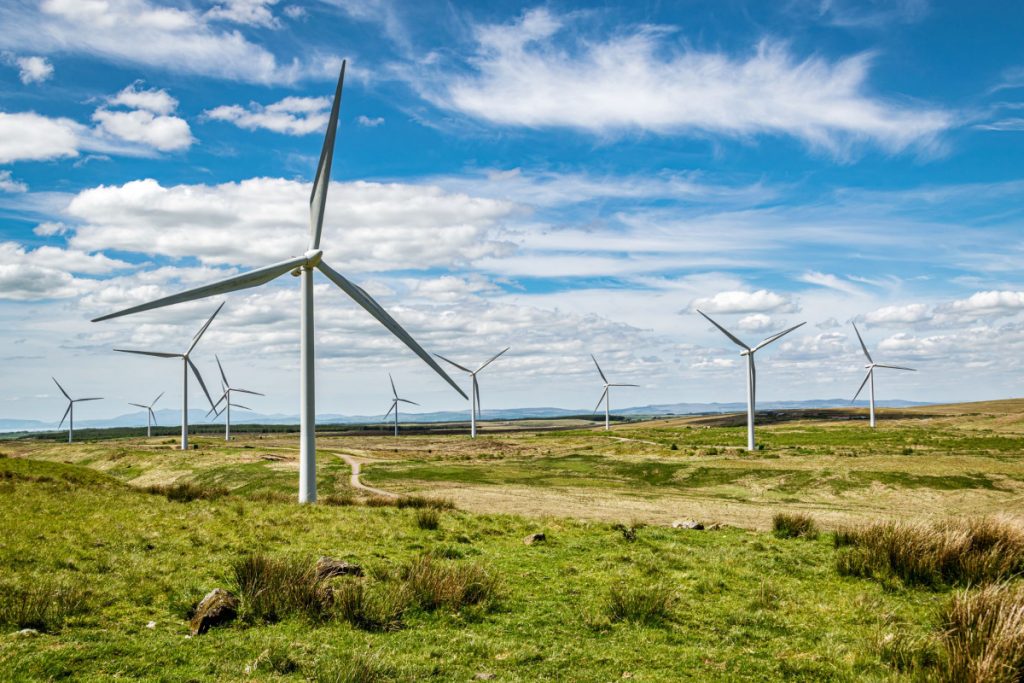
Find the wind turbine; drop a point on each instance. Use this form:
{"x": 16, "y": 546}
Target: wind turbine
{"x": 870, "y": 377}
{"x": 302, "y": 267}
{"x": 751, "y": 371}
{"x": 186, "y": 363}
{"x": 150, "y": 415}
{"x": 605, "y": 394}
{"x": 474, "y": 404}
{"x": 394, "y": 403}
{"x": 70, "y": 412}
{"x": 226, "y": 397}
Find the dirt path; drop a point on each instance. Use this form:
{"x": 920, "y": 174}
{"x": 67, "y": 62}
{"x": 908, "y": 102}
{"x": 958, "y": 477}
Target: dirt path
{"x": 354, "y": 480}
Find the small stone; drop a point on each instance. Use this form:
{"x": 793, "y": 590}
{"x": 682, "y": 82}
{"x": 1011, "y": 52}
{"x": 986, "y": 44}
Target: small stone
{"x": 687, "y": 524}
{"x": 327, "y": 567}
{"x": 151, "y": 625}
{"x": 483, "y": 676}
{"x": 535, "y": 538}
{"x": 27, "y": 633}
{"x": 217, "y": 608}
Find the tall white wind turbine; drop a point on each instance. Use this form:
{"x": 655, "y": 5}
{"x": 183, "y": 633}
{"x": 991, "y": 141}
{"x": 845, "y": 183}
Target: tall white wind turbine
{"x": 605, "y": 394}
{"x": 186, "y": 364}
{"x": 226, "y": 398}
{"x": 394, "y": 403}
{"x": 870, "y": 377}
{"x": 150, "y": 415}
{"x": 302, "y": 267}
{"x": 474, "y": 403}
{"x": 751, "y": 371}
{"x": 70, "y": 412}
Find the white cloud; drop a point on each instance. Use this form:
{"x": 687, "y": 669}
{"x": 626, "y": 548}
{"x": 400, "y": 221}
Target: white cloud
{"x": 368, "y": 122}
{"x": 34, "y": 69}
{"x": 713, "y": 363}
{"x": 248, "y": 12}
{"x": 992, "y": 302}
{"x": 47, "y": 272}
{"x": 291, "y": 116}
{"x": 50, "y": 228}
{"x": 154, "y": 100}
{"x": 527, "y": 74}
{"x": 758, "y": 322}
{"x": 9, "y": 184}
{"x": 906, "y": 313}
{"x": 294, "y": 12}
{"x": 27, "y": 136}
{"x": 830, "y": 281}
{"x": 164, "y": 133}
{"x": 745, "y": 302}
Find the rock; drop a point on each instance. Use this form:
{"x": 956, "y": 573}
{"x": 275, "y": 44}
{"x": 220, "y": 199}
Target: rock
{"x": 687, "y": 524}
{"x": 483, "y": 676}
{"x": 27, "y": 633}
{"x": 535, "y": 538}
{"x": 327, "y": 567}
{"x": 151, "y": 624}
{"x": 217, "y": 608}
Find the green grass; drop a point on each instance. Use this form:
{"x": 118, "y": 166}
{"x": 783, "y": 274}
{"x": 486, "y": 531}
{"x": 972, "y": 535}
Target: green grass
{"x": 586, "y": 605}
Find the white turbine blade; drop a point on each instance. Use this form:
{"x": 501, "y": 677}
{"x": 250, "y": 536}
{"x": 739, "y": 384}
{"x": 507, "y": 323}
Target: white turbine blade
{"x": 861, "y": 387}
{"x": 375, "y": 309}
{"x": 243, "y": 281}
{"x": 195, "y": 371}
{"x": 239, "y": 405}
{"x": 448, "y": 360}
{"x": 152, "y": 415}
{"x": 776, "y": 337}
{"x": 158, "y": 354}
{"x": 139, "y": 405}
{"x": 394, "y": 392}
{"x": 601, "y": 399}
{"x": 61, "y": 388}
{"x": 94, "y": 398}
{"x": 623, "y": 385}
{"x": 394, "y": 406}
{"x": 318, "y": 197}
{"x": 476, "y": 392}
{"x": 223, "y": 377}
{"x": 199, "y": 334}
{"x": 65, "y": 415}
{"x": 862, "y": 346}
{"x": 214, "y": 407}
{"x": 405, "y": 400}
{"x": 603, "y": 378}
{"x": 894, "y": 367}
{"x": 246, "y": 391}
{"x": 155, "y": 400}
{"x": 726, "y": 332}
{"x": 493, "y": 358}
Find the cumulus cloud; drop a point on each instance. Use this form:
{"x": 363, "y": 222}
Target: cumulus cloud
{"x": 34, "y": 69}
{"x": 906, "y": 313}
{"x": 745, "y": 302}
{"x": 27, "y": 136}
{"x": 545, "y": 71}
{"x": 247, "y": 12}
{"x": 135, "y": 97}
{"x": 370, "y": 122}
{"x": 758, "y": 322}
{"x": 9, "y": 184}
{"x": 148, "y": 123}
{"x": 992, "y": 302}
{"x": 291, "y": 116}
{"x": 47, "y": 272}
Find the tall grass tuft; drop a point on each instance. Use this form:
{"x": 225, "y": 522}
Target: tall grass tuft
{"x": 953, "y": 552}
{"x": 40, "y": 603}
{"x": 794, "y": 525}
{"x": 272, "y": 589}
{"x": 187, "y": 491}
{"x": 428, "y": 519}
{"x": 983, "y": 636}
{"x": 357, "y": 668}
{"x": 367, "y": 609}
{"x": 420, "y": 502}
{"x": 433, "y": 585}
{"x": 649, "y": 603}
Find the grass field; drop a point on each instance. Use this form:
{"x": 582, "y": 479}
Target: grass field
{"x": 588, "y": 604}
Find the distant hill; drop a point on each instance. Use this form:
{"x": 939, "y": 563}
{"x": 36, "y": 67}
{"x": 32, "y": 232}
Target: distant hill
{"x": 170, "y": 417}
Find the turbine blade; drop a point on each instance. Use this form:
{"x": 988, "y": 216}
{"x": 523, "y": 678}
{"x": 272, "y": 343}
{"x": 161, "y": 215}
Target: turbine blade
{"x": 476, "y": 393}
{"x": 195, "y": 371}
{"x": 862, "y": 346}
{"x": 94, "y": 398}
{"x": 214, "y": 407}
{"x": 405, "y": 400}
{"x": 776, "y": 337}
{"x": 393, "y": 390}
{"x": 246, "y": 391}
{"x": 243, "y": 281}
{"x": 152, "y": 415}
{"x": 155, "y": 400}
{"x": 726, "y": 332}
{"x": 493, "y": 358}
{"x": 603, "y": 378}
{"x": 861, "y": 387}
{"x": 447, "y": 360}
{"x": 61, "y": 388}
{"x": 623, "y": 385}
{"x": 894, "y": 367}
{"x": 375, "y": 309}
{"x": 601, "y": 399}
{"x": 753, "y": 383}
{"x": 223, "y": 377}
{"x": 139, "y": 405}
{"x": 199, "y": 334}
{"x": 239, "y": 405}
{"x": 318, "y": 197}
{"x": 388, "y": 414}
{"x": 158, "y": 354}
{"x": 65, "y": 415}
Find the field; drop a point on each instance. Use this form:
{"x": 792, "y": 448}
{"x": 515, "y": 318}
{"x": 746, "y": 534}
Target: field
{"x": 613, "y": 592}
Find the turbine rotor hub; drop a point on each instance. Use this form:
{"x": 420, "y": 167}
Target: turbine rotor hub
{"x": 313, "y": 257}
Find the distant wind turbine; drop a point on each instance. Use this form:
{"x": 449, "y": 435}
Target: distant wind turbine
{"x": 186, "y": 363}
{"x": 150, "y": 415}
{"x": 302, "y": 267}
{"x": 605, "y": 394}
{"x": 70, "y": 412}
{"x": 474, "y": 404}
{"x": 226, "y": 398}
{"x": 751, "y": 371}
{"x": 870, "y": 377}
{"x": 394, "y": 403}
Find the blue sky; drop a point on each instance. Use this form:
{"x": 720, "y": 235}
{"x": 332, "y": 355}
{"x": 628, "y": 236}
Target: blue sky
{"x": 562, "y": 178}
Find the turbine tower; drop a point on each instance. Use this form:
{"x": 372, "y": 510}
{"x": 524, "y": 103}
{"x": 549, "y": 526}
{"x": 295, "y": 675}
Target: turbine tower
{"x": 70, "y": 412}
{"x": 474, "y": 404}
{"x": 394, "y": 403}
{"x": 186, "y": 363}
{"x": 226, "y": 397}
{"x": 870, "y": 377}
{"x": 751, "y": 371}
{"x": 605, "y": 394}
{"x": 150, "y": 415}
{"x": 302, "y": 267}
